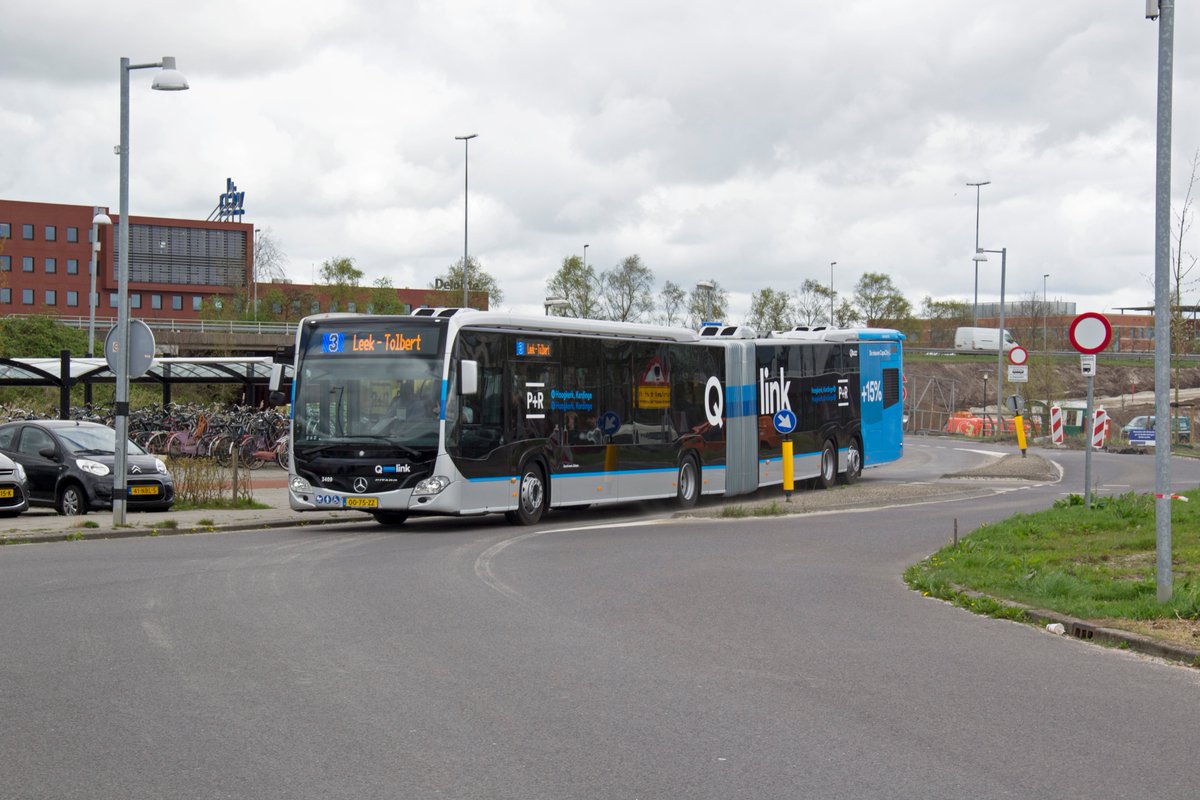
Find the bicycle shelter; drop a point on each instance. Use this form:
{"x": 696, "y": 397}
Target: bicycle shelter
{"x": 253, "y": 372}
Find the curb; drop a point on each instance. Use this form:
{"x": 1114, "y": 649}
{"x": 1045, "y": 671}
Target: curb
{"x": 84, "y": 534}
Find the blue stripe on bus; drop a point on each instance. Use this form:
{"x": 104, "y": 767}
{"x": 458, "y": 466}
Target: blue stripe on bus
{"x": 739, "y": 400}
{"x": 442, "y": 417}
{"x": 590, "y": 474}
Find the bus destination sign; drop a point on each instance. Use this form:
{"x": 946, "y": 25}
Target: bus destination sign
{"x": 537, "y": 348}
{"x": 375, "y": 342}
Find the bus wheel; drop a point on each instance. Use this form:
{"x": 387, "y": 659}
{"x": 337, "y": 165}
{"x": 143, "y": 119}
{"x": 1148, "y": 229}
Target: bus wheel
{"x": 854, "y": 462}
{"x": 390, "y": 517}
{"x": 531, "y": 497}
{"x": 688, "y": 483}
{"x": 828, "y": 466}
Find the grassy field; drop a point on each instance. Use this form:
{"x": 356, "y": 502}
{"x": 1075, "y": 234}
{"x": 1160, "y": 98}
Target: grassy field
{"x": 1097, "y": 564}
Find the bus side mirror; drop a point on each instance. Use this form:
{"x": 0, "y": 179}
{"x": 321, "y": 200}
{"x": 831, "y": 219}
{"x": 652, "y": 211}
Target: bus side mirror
{"x": 468, "y": 377}
{"x": 276, "y": 397}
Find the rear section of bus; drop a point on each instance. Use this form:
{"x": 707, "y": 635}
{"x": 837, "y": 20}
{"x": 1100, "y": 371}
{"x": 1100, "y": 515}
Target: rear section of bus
{"x": 881, "y": 381}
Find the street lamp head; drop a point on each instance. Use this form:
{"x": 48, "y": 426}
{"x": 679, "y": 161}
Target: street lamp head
{"x": 979, "y": 256}
{"x": 705, "y": 285}
{"x": 169, "y": 79}
{"x": 468, "y": 136}
{"x": 101, "y": 219}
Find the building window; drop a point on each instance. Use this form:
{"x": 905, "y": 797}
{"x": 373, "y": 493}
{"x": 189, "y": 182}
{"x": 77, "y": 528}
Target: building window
{"x": 6, "y": 263}
{"x": 51, "y": 233}
{"x": 135, "y": 300}
{"x": 27, "y": 232}
{"x": 277, "y": 308}
{"x": 51, "y": 297}
{"x": 27, "y": 263}
{"x": 177, "y": 302}
{"x": 112, "y": 299}
{"x": 156, "y": 301}
{"x": 332, "y": 306}
{"x": 72, "y": 235}
{"x": 314, "y": 307}
{"x": 196, "y": 301}
{"x": 27, "y": 297}
{"x": 6, "y": 296}
{"x": 72, "y": 298}
{"x": 72, "y": 266}
{"x": 5, "y": 230}
{"x": 352, "y": 307}
{"x": 51, "y": 265}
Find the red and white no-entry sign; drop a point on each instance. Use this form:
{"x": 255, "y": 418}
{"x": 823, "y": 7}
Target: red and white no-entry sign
{"x": 1090, "y": 333}
{"x": 1018, "y": 356}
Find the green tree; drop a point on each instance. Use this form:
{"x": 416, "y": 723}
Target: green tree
{"x": 671, "y": 304}
{"x": 879, "y": 301}
{"x": 628, "y": 290}
{"x": 945, "y": 317}
{"x": 575, "y": 283}
{"x": 771, "y": 310}
{"x": 811, "y": 303}
{"x": 479, "y": 281}
{"x": 342, "y": 278}
{"x": 383, "y": 299}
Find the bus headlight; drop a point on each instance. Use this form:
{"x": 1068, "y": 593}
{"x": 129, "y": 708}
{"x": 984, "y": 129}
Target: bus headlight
{"x": 434, "y": 485}
{"x": 299, "y": 485}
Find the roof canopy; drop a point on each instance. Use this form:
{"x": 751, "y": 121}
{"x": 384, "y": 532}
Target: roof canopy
{"x": 48, "y": 371}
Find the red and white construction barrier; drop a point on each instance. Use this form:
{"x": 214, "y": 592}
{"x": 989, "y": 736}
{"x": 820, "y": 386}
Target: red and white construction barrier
{"x": 1056, "y": 424}
{"x": 1099, "y": 427}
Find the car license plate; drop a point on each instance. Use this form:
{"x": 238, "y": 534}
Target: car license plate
{"x": 143, "y": 490}
{"x": 6, "y": 493}
{"x": 362, "y": 502}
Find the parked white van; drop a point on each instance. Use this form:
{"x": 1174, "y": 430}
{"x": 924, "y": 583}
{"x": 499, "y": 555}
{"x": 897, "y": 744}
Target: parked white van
{"x": 981, "y": 339}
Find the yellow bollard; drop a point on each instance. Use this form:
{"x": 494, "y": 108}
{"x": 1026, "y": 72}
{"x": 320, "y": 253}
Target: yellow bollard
{"x": 610, "y": 457}
{"x": 788, "y": 469}
{"x": 1020, "y": 433}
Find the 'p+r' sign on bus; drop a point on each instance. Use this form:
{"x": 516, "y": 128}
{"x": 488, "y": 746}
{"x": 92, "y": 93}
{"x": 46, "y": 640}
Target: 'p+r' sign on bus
{"x": 785, "y": 421}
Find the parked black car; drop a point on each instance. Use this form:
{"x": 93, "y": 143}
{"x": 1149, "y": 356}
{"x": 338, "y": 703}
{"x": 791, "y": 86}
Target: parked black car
{"x": 70, "y": 464}
{"x": 14, "y": 489}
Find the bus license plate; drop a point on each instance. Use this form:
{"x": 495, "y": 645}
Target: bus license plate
{"x": 6, "y": 493}
{"x": 143, "y": 490}
{"x": 362, "y": 502}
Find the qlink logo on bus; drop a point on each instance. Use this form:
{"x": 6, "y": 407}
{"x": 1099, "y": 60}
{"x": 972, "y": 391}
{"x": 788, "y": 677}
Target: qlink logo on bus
{"x": 872, "y": 392}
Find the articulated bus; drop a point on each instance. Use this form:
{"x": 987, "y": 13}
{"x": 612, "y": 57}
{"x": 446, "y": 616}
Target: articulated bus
{"x": 457, "y": 411}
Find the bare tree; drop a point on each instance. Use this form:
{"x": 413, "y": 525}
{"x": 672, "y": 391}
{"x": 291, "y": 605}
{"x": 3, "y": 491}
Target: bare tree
{"x": 269, "y": 259}
{"x": 811, "y": 303}
{"x": 671, "y": 300}
{"x": 627, "y": 290}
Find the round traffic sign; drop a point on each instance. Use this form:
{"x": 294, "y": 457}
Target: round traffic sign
{"x": 784, "y": 420}
{"x": 141, "y": 349}
{"x": 1090, "y": 332}
{"x": 1018, "y": 355}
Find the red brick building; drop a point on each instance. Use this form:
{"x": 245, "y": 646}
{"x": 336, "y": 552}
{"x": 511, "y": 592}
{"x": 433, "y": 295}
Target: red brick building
{"x": 178, "y": 269}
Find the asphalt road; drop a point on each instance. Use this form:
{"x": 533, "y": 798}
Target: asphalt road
{"x": 614, "y": 654}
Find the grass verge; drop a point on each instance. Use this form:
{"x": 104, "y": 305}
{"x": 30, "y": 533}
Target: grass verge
{"x": 1096, "y": 564}
{"x": 217, "y": 504}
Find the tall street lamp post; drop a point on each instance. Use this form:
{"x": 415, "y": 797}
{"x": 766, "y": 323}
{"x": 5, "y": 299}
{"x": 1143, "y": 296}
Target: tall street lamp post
{"x": 466, "y": 270}
{"x": 978, "y": 257}
{"x": 585, "y": 247}
{"x": 832, "y": 264}
{"x": 171, "y": 80}
{"x": 254, "y": 272}
{"x": 975, "y": 306}
{"x": 98, "y": 220}
{"x": 708, "y": 287}
{"x": 1045, "y": 309}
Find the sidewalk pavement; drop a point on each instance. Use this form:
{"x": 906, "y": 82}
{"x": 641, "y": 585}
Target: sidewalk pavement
{"x": 46, "y": 525}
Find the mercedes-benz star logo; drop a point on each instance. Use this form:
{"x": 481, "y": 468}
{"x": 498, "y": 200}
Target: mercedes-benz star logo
{"x": 360, "y": 485}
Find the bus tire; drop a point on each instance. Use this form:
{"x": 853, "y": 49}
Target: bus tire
{"x": 531, "y": 496}
{"x": 854, "y": 463}
{"x": 390, "y": 517}
{"x": 687, "y": 483}
{"x": 828, "y": 465}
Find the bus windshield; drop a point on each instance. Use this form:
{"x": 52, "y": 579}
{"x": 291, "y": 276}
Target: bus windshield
{"x": 356, "y": 391}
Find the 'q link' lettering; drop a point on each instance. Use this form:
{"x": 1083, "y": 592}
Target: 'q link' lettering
{"x": 714, "y": 402}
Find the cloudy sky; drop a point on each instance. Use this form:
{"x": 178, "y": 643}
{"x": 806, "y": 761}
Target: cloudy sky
{"x": 750, "y": 143}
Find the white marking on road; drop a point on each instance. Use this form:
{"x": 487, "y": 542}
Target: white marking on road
{"x": 483, "y": 564}
{"x": 982, "y": 452}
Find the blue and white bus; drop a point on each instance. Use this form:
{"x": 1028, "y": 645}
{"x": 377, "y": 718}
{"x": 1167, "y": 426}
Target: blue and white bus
{"x": 459, "y": 412}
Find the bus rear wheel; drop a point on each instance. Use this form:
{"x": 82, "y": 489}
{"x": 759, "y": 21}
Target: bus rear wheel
{"x": 854, "y": 463}
{"x": 531, "y": 497}
{"x": 688, "y": 483}
{"x": 828, "y": 465}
